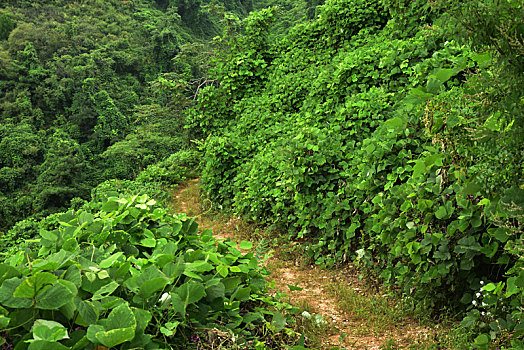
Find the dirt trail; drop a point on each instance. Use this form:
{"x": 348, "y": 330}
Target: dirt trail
{"x": 356, "y": 326}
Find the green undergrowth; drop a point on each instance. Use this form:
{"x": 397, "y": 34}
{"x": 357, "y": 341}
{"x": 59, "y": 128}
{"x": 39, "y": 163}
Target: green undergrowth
{"x": 388, "y": 133}
{"x": 375, "y": 310}
{"x": 123, "y": 273}
{"x": 154, "y": 181}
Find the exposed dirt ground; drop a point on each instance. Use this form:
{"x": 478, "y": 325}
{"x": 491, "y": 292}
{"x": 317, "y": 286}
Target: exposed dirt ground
{"x": 357, "y": 316}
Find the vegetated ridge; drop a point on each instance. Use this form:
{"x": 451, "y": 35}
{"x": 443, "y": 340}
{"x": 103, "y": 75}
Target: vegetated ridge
{"x": 388, "y": 133}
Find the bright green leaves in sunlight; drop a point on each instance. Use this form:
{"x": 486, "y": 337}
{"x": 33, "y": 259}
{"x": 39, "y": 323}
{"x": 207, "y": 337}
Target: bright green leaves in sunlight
{"x": 99, "y": 275}
{"x": 375, "y": 133}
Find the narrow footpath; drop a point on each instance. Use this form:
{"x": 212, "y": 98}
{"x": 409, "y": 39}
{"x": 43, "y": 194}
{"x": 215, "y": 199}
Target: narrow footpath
{"x": 352, "y": 315}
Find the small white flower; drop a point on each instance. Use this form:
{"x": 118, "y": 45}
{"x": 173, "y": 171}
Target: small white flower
{"x": 482, "y": 313}
{"x": 164, "y": 297}
{"x": 481, "y": 283}
{"x": 484, "y": 304}
{"x": 319, "y": 320}
{"x": 474, "y": 302}
{"x": 478, "y": 295}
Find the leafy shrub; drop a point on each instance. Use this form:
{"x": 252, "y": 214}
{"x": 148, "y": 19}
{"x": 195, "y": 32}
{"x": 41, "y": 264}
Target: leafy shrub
{"x": 397, "y": 147}
{"x": 339, "y": 20}
{"x": 123, "y": 273}
{"x": 128, "y": 187}
{"x": 177, "y": 167}
{"x": 17, "y": 235}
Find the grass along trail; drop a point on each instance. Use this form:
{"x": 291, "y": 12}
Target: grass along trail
{"x": 353, "y": 315}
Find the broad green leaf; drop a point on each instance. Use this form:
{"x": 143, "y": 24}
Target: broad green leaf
{"x": 416, "y": 97}
{"x": 7, "y": 299}
{"x": 395, "y": 124}
{"x": 69, "y": 310}
{"x": 108, "y": 262}
{"x": 73, "y": 275}
{"x": 191, "y": 227}
{"x": 471, "y": 188}
{"x": 216, "y": 291}
{"x": 49, "y": 330}
{"x": 191, "y": 292}
{"x": 115, "y": 337}
{"x": 85, "y": 218}
{"x": 54, "y": 297}
{"x": 51, "y": 236}
{"x": 222, "y": 270}
{"x": 147, "y": 274}
{"x": 177, "y": 227}
{"x": 501, "y": 234}
{"x": 434, "y": 85}
{"x": 482, "y": 59}
{"x": 245, "y": 245}
{"x": 444, "y": 74}
{"x": 119, "y": 237}
{"x": 7, "y": 272}
{"x": 419, "y": 168}
{"x": 102, "y": 274}
{"x": 143, "y": 318}
{"x": 92, "y": 330}
{"x": 192, "y": 275}
{"x": 174, "y": 270}
{"x": 252, "y": 317}
{"x": 33, "y": 284}
{"x": 231, "y": 283}
{"x": 148, "y": 242}
{"x": 111, "y": 205}
{"x": 105, "y": 290}
{"x": 87, "y": 312}
{"x": 441, "y": 213}
{"x": 4, "y": 322}
{"x": 178, "y": 304}
{"x": 121, "y": 317}
{"x": 153, "y": 286}
{"x": 199, "y": 266}
{"x": 122, "y": 271}
{"x": 241, "y": 294}
{"x": 489, "y": 287}
{"x": 482, "y": 339}
{"x": 46, "y": 345}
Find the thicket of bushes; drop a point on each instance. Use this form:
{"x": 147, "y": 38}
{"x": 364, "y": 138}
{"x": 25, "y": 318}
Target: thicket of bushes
{"x": 386, "y": 132}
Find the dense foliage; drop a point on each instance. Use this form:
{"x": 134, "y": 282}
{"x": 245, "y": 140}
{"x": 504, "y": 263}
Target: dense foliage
{"x": 89, "y": 91}
{"x": 91, "y": 99}
{"x": 386, "y": 132}
{"x": 123, "y": 273}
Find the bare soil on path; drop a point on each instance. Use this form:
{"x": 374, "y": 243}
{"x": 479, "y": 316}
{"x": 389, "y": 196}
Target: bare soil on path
{"x": 354, "y": 315}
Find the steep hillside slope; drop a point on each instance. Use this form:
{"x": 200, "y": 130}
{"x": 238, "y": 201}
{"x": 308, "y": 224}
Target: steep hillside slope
{"x": 385, "y": 132}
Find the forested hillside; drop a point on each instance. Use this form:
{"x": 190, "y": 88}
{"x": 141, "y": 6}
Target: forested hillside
{"x": 92, "y": 131}
{"x": 87, "y": 93}
{"x": 385, "y": 133}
